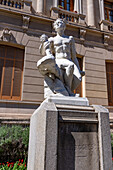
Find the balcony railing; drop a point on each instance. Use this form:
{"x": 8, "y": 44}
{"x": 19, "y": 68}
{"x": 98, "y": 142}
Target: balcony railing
{"x": 15, "y": 4}
{"x": 20, "y": 4}
{"x": 70, "y": 16}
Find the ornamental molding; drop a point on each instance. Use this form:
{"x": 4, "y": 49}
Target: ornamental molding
{"x": 6, "y": 35}
{"x": 82, "y": 34}
{"x": 106, "y": 39}
{"x": 25, "y": 25}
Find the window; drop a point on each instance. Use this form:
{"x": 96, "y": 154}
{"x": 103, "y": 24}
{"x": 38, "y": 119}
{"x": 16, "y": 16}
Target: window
{"x": 67, "y": 4}
{"x": 109, "y": 72}
{"x": 108, "y": 10}
{"x": 11, "y": 68}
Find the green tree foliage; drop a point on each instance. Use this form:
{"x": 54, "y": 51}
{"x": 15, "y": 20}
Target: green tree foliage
{"x": 13, "y": 143}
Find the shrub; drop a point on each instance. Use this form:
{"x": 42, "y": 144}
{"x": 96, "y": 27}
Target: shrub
{"x": 13, "y": 143}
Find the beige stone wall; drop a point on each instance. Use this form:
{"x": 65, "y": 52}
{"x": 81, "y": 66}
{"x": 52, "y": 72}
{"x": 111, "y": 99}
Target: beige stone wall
{"x": 33, "y": 81}
{"x": 96, "y": 87}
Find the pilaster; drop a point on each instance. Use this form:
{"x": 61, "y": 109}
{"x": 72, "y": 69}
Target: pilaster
{"x": 91, "y": 14}
{"x": 38, "y": 6}
{"x": 78, "y": 6}
{"x": 101, "y": 4}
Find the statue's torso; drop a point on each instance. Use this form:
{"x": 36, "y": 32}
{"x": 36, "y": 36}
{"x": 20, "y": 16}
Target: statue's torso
{"x": 62, "y": 46}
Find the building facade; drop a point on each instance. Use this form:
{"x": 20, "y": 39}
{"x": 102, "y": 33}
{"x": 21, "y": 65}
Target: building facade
{"x": 22, "y": 23}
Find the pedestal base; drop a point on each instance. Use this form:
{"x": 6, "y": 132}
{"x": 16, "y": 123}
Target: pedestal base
{"x": 66, "y": 136}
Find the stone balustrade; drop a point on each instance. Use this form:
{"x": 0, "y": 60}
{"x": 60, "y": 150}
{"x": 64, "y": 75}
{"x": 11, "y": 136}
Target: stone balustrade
{"x": 13, "y": 3}
{"x": 70, "y": 16}
{"x": 106, "y": 25}
{"x": 20, "y": 4}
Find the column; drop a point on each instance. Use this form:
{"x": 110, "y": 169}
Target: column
{"x": 39, "y": 6}
{"x": 101, "y": 3}
{"x": 55, "y": 3}
{"x": 80, "y": 7}
{"x": 90, "y": 11}
{"x": 104, "y": 25}
{"x": 47, "y": 6}
{"x": 76, "y": 6}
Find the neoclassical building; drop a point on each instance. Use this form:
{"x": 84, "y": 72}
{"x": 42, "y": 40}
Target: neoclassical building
{"x": 22, "y": 23}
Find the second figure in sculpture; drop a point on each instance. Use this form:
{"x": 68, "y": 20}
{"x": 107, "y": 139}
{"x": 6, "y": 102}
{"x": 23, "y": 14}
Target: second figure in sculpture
{"x": 60, "y": 65}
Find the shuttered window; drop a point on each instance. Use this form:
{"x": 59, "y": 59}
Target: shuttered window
{"x": 67, "y": 4}
{"x": 109, "y": 72}
{"x": 11, "y": 68}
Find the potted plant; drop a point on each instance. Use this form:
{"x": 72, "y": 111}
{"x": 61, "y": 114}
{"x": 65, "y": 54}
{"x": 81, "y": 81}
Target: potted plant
{"x": 60, "y": 6}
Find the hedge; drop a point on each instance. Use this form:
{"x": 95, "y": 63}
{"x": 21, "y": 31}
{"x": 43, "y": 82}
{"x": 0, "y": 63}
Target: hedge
{"x": 13, "y": 143}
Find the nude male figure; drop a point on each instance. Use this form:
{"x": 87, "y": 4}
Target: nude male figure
{"x": 60, "y": 63}
{"x": 65, "y": 55}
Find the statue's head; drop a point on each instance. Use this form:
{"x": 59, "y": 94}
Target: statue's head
{"x": 59, "y": 24}
{"x": 43, "y": 38}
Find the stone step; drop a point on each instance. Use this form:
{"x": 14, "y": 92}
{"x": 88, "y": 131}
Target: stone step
{"x": 111, "y": 116}
{"x": 14, "y": 118}
{"x": 15, "y": 121}
{"x": 15, "y": 115}
{"x": 110, "y": 108}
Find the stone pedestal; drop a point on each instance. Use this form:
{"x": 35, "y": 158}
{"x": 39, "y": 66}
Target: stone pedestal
{"x": 67, "y": 100}
{"x": 69, "y": 135}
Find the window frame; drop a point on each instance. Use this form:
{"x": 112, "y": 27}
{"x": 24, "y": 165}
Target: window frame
{"x": 107, "y": 9}
{"x": 109, "y": 89}
{"x": 14, "y": 60}
{"x": 71, "y": 4}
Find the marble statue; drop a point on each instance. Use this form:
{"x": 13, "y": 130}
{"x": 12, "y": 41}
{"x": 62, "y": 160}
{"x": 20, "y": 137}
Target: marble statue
{"x": 59, "y": 66}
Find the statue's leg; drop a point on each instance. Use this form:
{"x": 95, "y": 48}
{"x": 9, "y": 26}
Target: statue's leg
{"x": 77, "y": 78}
{"x": 57, "y": 72}
{"x": 68, "y": 75}
{"x": 68, "y": 67}
{"x": 77, "y": 73}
